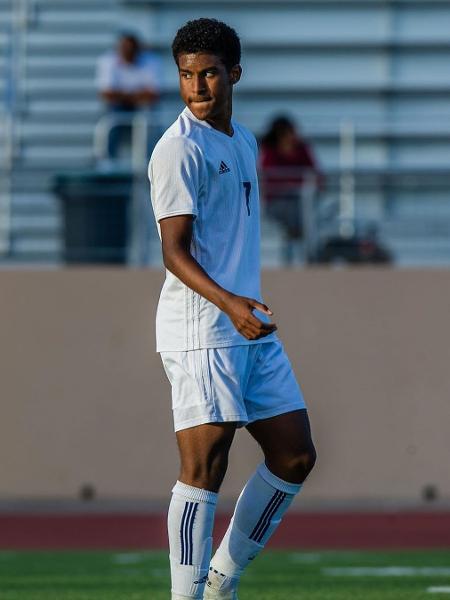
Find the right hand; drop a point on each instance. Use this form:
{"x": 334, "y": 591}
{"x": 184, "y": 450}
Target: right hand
{"x": 240, "y": 310}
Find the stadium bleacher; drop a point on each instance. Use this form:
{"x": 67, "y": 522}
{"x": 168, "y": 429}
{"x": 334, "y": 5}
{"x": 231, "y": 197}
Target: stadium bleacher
{"x": 380, "y": 64}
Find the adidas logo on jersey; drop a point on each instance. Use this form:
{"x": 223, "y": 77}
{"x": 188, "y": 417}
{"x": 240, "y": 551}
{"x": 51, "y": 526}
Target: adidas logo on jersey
{"x": 223, "y": 168}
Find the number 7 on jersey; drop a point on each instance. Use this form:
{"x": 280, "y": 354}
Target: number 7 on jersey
{"x": 247, "y": 187}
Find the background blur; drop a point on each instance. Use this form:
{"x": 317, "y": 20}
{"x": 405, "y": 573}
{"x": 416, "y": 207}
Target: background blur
{"x": 85, "y": 403}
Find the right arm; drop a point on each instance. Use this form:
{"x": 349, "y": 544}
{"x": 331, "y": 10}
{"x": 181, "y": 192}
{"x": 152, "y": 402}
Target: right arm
{"x": 176, "y": 235}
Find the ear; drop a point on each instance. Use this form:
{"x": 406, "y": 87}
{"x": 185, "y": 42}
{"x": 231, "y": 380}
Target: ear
{"x": 235, "y": 74}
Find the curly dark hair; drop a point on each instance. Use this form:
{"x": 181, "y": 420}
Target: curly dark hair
{"x": 211, "y": 36}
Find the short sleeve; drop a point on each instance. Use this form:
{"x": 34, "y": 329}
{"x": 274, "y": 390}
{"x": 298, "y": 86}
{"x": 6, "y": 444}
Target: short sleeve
{"x": 105, "y": 76}
{"x": 175, "y": 172}
{"x": 152, "y": 72}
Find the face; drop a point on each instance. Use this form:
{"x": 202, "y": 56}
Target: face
{"x": 288, "y": 136}
{"x": 206, "y": 85}
{"x": 128, "y": 49}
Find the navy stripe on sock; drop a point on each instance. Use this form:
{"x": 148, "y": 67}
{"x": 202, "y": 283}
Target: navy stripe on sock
{"x": 190, "y": 533}
{"x": 266, "y": 516}
{"x": 182, "y": 529}
{"x": 186, "y": 532}
{"x": 258, "y": 524}
{"x": 269, "y": 517}
{"x": 264, "y": 521}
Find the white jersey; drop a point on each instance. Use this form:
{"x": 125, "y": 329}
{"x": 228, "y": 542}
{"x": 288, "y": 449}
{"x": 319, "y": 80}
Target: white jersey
{"x": 198, "y": 170}
{"x": 113, "y": 73}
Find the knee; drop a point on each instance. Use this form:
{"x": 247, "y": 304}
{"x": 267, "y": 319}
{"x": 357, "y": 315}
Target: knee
{"x": 299, "y": 464}
{"x": 303, "y": 461}
{"x": 204, "y": 474}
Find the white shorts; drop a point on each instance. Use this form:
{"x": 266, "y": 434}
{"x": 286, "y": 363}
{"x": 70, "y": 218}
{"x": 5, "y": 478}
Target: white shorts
{"x": 237, "y": 383}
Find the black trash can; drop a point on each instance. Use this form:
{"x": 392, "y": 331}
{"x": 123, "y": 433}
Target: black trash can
{"x": 96, "y": 215}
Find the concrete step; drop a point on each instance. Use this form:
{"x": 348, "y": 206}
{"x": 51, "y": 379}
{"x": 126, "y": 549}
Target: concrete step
{"x": 58, "y": 109}
{"x": 430, "y": 230}
{"x": 29, "y": 247}
{"x": 32, "y": 225}
{"x": 94, "y": 41}
{"x": 57, "y": 66}
{"x": 35, "y": 203}
{"x": 81, "y": 4}
{"x": 69, "y": 157}
{"x": 61, "y": 18}
{"x": 57, "y": 134}
{"x": 67, "y": 85}
{"x": 425, "y": 253}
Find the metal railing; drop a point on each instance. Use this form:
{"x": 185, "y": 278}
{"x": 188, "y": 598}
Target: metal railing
{"x": 6, "y": 170}
{"x": 334, "y": 213}
{"x": 21, "y": 18}
{"x": 140, "y": 124}
{"x": 348, "y": 184}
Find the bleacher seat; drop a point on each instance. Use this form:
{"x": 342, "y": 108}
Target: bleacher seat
{"x": 381, "y": 64}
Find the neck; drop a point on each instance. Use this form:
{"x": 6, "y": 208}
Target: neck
{"x": 222, "y": 122}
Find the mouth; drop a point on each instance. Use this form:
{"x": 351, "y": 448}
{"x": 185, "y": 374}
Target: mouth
{"x": 201, "y": 101}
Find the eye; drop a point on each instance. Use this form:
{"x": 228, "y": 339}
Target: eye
{"x": 210, "y": 74}
{"x": 186, "y": 75}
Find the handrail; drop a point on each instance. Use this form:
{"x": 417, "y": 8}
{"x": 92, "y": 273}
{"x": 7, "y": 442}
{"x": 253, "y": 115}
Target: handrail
{"x": 22, "y": 12}
{"x": 7, "y": 142}
{"x": 347, "y": 191}
{"x": 6, "y": 192}
{"x": 140, "y": 123}
{"x": 345, "y": 179}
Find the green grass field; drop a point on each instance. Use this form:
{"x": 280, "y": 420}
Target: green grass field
{"x": 274, "y": 576}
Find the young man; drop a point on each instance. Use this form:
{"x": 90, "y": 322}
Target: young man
{"x": 219, "y": 349}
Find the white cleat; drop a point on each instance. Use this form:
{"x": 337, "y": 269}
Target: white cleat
{"x": 220, "y": 587}
{"x": 211, "y": 594}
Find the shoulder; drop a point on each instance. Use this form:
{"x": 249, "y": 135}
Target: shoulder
{"x": 107, "y": 59}
{"x": 248, "y": 136}
{"x": 174, "y": 144}
{"x": 175, "y": 151}
{"x": 181, "y": 136}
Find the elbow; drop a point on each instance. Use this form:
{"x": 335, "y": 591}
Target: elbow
{"x": 170, "y": 258}
{"x": 167, "y": 258}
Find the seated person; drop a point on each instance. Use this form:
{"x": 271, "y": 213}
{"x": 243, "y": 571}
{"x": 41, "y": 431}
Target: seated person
{"x": 284, "y": 158}
{"x": 128, "y": 79}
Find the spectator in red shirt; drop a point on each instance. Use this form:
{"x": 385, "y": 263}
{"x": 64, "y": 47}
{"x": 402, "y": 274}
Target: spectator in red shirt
{"x": 285, "y": 160}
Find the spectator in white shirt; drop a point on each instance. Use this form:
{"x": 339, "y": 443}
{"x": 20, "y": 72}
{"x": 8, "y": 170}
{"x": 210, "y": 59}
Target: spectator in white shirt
{"x": 128, "y": 79}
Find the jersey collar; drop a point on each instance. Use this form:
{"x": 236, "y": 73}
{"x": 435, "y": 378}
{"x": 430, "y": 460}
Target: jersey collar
{"x": 191, "y": 116}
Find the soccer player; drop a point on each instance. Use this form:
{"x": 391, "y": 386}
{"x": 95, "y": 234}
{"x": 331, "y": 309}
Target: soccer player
{"x": 220, "y": 352}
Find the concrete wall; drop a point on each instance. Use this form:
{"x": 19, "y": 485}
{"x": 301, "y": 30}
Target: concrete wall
{"x": 84, "y": 397}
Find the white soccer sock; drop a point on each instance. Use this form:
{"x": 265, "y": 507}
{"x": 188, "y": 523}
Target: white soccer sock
{"x": 190, "y": 525}
{"x": 258, "y": 512}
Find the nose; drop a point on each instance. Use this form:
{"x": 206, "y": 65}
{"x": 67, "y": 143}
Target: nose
{"x": 198, "y": 85}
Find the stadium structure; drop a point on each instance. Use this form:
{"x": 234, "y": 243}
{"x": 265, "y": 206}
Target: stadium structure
{"x": 367, "y": 80}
